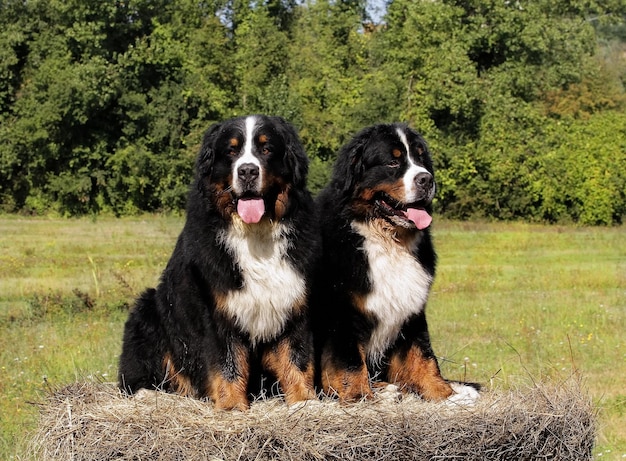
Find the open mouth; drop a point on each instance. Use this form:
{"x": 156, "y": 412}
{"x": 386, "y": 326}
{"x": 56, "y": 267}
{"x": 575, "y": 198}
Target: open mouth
{"x": 405, "y": 215}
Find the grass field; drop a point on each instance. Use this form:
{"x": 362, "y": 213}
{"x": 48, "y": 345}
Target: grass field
{"x": 512, "y": 303}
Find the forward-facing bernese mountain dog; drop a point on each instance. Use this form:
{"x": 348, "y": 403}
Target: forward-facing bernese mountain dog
{"x": 231, "y": 307}
{"x": 377, "y": 269}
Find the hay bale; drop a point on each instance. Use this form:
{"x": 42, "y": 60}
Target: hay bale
{"x": 93, "y": 421}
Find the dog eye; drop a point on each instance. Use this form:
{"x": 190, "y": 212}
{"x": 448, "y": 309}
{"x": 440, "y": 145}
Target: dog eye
{"x": 233, "y": 146}
{"x": 393, "y": 164}
{"x": 265, "y": 151}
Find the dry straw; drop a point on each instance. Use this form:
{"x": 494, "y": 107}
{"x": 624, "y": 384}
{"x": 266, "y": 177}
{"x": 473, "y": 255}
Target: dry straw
{"x": 93, "y": 421}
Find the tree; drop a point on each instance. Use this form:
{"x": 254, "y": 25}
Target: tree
{"x": 103, "y": 104}
{"x": 583, "y": 171}
{"x": 476, "y": 76}
{"x": 106, "y": 91}
{"x": 260, "y": 58}
{"x": 325, "y": 71}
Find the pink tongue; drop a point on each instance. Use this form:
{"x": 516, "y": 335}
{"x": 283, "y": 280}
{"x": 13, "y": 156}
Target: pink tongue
{"x": 251, "y": 210}
{"x": 421, "y": 219}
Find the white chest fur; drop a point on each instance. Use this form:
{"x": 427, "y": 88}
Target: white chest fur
{"x": 400, "y": 286}
{"x": 271, "y": 286}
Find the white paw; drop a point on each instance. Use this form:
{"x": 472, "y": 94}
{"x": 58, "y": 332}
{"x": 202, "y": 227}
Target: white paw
{"x": 463, "y": 395}
{"x": 143, "y": 394}
{"x": 390, "y": 392}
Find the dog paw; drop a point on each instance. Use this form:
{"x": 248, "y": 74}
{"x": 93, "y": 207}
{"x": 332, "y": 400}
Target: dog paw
{"x": 389, "y": 392}
{"x": 463, "y": 395}
{"x": 143, "y": 394}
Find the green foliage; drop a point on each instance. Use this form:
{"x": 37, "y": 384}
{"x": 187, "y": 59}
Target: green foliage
{"x": 258, "y": 63}
{"x": 326, "y": 65}
{"x": 490, "y": 84}
{"x": 319, "y": 174}
{"x": 584, "y": 173}
{"x": 103, "y": 104}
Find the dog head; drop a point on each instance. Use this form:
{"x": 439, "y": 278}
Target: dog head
{"x": 248, "y": 165}
{"x": 385, "y": 172}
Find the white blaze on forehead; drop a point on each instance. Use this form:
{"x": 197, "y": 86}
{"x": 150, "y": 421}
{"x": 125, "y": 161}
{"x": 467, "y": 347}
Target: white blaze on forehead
{"x": 412, "y": 171}
{"x": 248, "y": 135}
{"x": 402, "y": 137}
{"x": 247, "y": 155}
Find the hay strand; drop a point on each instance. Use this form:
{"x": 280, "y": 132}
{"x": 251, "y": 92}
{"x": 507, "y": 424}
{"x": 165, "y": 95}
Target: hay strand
{"x": 93, "y": 421}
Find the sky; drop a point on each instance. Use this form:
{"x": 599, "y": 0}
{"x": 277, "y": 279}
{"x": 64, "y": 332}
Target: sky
{"x": 376, "y": 9}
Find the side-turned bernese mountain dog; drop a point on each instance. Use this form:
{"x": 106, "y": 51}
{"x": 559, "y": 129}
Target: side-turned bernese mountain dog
{"x": 377, "y": 269}
{"x": 231, "y": 307}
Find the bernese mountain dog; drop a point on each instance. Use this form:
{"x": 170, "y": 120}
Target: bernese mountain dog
{"x": 377, "y": 269}
{"x": 231, "y": 307}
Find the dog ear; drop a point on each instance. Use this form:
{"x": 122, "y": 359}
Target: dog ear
{"x": 206, "y": 157}
{"x": 295, "y": 156}
{"x": 349, "y": 167}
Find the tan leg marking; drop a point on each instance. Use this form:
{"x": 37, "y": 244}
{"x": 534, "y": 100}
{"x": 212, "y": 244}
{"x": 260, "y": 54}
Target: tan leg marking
{"x": 296, "y": 384}
{"x": 348, "y": 385}
{"x": 228, "y": 395}
{"x": 231, "y": 394}
{"x": 179, "y": 383}
{"x": 413, "y": 372}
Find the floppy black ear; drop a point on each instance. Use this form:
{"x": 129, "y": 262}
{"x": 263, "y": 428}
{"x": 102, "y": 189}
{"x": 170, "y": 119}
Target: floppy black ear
{"x": 206, "y": 157}
{"x": 349, "y": 167}
{"x": 295, "y": 156}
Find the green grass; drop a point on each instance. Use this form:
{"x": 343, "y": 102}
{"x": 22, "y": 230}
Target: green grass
{"x": 65, "y": 286}
{"x": 512, "y": 303}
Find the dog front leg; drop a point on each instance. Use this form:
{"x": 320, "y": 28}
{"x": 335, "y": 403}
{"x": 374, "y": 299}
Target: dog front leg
{"x": 228, "y": 380}
{"x": 343, "y": 376}
{"x": 292, "y": 368}
{"x": 413, "y": 370}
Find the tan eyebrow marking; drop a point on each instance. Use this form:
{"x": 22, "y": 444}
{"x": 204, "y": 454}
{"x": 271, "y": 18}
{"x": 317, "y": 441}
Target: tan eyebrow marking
{"x": 234, "y": 142}
{"x": 396, "y": 153}
{"x": 263, "y": 139}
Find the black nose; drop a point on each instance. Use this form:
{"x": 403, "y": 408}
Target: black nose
{"x": 424, "y": 181}
{"x": 248, "y": 172}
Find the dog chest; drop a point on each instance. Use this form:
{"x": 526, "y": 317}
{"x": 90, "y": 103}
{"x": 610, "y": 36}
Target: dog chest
{"x": 399, "y": 287}
{"x": 271, "y": 288}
